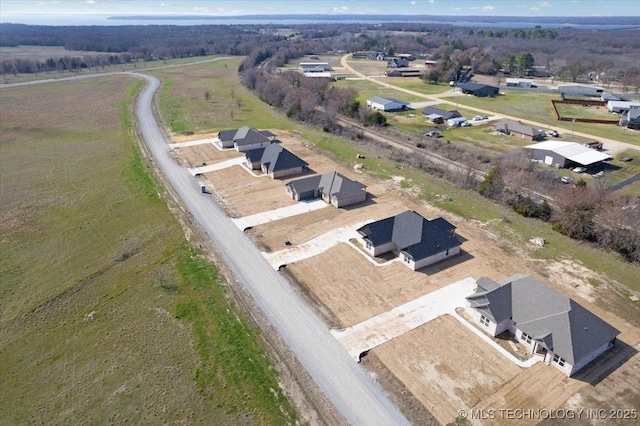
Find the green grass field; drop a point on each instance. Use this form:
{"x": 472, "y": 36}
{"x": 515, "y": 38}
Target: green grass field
{"x": 579, "y": 111}
{"x": 537, "y": 107}
{"x": 108, "y": 315}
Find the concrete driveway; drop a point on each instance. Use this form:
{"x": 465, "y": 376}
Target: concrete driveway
{"x": 377, "y": 330}
{"x": 277, "y": 214}
{"x": 313, "y": 247}
{"x": 194, "y": 143}
{"x": 217, "y": 166}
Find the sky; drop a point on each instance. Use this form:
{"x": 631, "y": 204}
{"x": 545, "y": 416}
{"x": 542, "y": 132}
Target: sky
{"x": 60, "y": 8}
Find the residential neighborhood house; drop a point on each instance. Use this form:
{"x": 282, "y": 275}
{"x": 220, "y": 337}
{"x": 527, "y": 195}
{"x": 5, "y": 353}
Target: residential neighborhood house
{"x": 480, "y": 90}
{"x": 276, "y": 161}
{"x": 439, "y": 116}
{"x": 631, "y": 119}
{"x": 517, "y": 128}
{"x": 580, "y": 89}
{"x": 622, "y": 106}
{"x": 245, "y": 138}
{"x": 398, "y": 63}
{"x": 376, "y": 56}
{"x": 384, "y": 104}
{"x": 549, "y": 324}
{"x": 519, "y": 82}
{"x": 565, "y": 154}
{"x": 333, "y": 187}
{"x": 419, "y": 242}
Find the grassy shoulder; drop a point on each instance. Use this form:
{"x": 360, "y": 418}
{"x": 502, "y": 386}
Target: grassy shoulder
{"x": 108, "y": 314}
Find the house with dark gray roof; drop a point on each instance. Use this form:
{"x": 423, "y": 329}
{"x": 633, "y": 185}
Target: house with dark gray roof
{"x": 480, "y": 90}
{"x": 552, "y": 326}
{"x": 631, "y": 119}
{"x": 518, "y": 129}
{"x": 438, "y": 115}
{"x": 419, "y": 242}
{"x": 275, "y": 161}
{"x": 244, "y": 138}
{"x": 333, "y": 187}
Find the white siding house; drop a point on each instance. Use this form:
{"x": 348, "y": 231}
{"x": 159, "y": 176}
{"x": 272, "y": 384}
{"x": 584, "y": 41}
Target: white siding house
{"x": 550, "y": 325}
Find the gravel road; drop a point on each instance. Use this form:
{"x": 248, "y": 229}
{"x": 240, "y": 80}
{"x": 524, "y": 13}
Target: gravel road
{"x": 350, "y": 388}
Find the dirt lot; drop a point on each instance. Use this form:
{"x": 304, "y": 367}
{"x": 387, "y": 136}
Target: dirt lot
{"x": 442, "y": 364}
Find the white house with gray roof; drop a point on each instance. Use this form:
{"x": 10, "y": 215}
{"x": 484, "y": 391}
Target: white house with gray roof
{"x": 548, "y": 323}
{"x": 333, "y": 187}
{"x": 275, "y": 161}
{"x": 518, "y": 129}
{"x": 419, "y": 242}
{"x": 245, "y": 138}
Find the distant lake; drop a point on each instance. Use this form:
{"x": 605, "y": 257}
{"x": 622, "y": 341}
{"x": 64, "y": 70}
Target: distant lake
{"x": 606, "y": 23}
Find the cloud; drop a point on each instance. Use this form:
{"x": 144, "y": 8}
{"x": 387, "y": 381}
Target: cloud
{"x": 545, "y": 4}
{"x": 339, "y": 9}
{"x": 413, "y": 3}
{"x": 91, "y": 1}
{"x": 488, "y": 8}
{"x": 164, "y": 4}
{"x": 432, "y": 1}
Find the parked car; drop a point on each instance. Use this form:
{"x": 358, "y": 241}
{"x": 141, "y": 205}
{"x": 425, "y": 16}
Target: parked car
{"x": 554, "y": 133}
{"x": 580, "y": 170}
{"x": 433, "y": 134}
{"x": 465, "y": 124}
{"x": 480, "y": 117}
{"x": 599, "y": 174}
{"x": 566, "y": 179}
{"x": 626, "y": 159}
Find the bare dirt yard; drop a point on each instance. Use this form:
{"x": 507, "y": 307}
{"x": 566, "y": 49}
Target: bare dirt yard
{"x": 442, "y": 364}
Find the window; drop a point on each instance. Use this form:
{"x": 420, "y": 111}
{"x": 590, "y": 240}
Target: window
{"x": 484, "y": 321}
{"x": 406, "y": 258}
{"x": 447, "y": 253}
{"x": 558, "y": 360}
{"x": 526, "y": 338}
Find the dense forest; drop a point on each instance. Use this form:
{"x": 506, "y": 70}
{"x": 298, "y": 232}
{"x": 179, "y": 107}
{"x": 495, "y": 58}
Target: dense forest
{"x": 572, "y": 53}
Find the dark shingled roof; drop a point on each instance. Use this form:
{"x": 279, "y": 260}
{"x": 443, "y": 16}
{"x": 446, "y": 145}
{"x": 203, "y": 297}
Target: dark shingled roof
{"x": 329, "y": 184}
{"x": 245, "y": 136}
{"x": 275, "y": 158}
{"x": 517, "y": 126}
{"x": 551, "y": 318}
{"x": 412, "y": 234}
{"x": 446, "y": 115}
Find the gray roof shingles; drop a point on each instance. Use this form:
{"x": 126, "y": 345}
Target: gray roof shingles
{"x": 275, "y": 158}
{"x": 555, "y": 321}
{"x": 413, "y": 234}
{"x": 329, "y": 184}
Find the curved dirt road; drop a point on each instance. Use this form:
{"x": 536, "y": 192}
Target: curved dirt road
{"x": 352, "y": 391}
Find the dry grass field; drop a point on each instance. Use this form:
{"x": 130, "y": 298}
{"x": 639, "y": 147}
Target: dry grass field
{"x": 107, "y": 315}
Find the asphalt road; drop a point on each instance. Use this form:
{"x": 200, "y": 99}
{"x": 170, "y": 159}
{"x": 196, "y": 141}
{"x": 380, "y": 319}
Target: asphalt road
{"x": 350, "y": 388}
